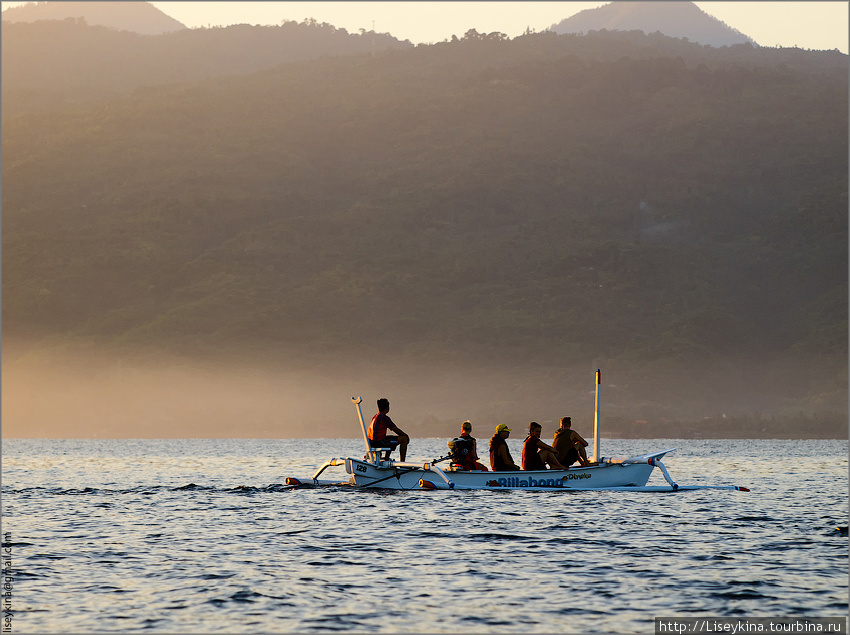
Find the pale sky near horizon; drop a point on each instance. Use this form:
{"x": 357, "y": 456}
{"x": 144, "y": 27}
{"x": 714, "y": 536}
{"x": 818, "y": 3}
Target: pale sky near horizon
{"x": 808, "y": 25}
{"x": 811, "y": 25}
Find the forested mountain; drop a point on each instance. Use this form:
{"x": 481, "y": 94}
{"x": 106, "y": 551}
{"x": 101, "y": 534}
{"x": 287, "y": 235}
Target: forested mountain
{"x": 676, "y": 19}
{"x": 139, "y": 17}
{"x": 56, "y": 62}
{"x": 623, "y": 200}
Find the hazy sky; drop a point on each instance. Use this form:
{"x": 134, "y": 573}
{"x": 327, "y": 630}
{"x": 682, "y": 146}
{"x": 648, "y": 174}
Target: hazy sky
{"x": 811, "y": 25}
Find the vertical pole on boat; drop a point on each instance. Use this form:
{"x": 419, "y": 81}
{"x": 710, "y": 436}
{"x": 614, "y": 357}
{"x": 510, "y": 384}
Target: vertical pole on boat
{"x": 596, "y": 417}
{"x": 356, "y": 401}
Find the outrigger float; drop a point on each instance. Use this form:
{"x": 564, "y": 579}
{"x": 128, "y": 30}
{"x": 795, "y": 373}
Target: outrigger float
{"x": 616, "y": 474}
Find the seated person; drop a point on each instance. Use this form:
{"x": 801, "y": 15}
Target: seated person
{"x": 569, "y": 445}
{"x": 500, "y": 455}
{"x": 469, "y": 461}
{"x": 536, "y": 455}
{"x": 378, "y": 437}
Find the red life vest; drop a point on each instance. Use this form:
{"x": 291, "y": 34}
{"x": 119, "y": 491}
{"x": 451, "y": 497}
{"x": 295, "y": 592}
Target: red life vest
{"x": 496, "y": 462}
{"x": 378, "y": 426}
{"x": 467, "y": 462}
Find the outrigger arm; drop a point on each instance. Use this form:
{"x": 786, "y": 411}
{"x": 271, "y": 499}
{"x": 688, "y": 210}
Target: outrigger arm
{"x": 326, "y": 465}
{"x": 440, "y": 473}
{"x": 649, "y": 459}
{"x": 655, "y": 461}
{"x": 411, "y": 467}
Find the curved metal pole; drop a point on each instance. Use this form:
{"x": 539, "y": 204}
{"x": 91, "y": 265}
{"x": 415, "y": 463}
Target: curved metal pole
{"x": 356, "y": 401}
{"x": 657, "y": 463}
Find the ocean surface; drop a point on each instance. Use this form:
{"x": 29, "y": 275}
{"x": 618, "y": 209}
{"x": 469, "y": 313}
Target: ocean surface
{"x": 201, "y": 536}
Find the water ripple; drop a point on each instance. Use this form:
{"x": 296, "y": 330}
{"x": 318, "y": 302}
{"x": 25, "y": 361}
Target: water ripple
{"x": 185, "y": 537}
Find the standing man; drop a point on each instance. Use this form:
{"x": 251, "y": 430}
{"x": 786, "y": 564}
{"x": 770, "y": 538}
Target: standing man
{"x": 500, "y": 455}
{"x": 536, "y": 455}
{"x": 569, "y": 444}
{"x": 378, "y": 437}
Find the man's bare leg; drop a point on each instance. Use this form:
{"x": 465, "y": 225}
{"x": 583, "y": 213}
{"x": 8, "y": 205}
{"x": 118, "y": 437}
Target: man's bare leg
{"x": 403, "y": 440}
{"x": 550, "y": 459}
{"x": 582, "y": 456}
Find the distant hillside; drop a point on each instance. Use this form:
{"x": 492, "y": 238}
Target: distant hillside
{"x": 675, "y": 19}
{"x": 54, "y": 63}
{"x": 135, "y": 16}
{"x": 675, "y": 212}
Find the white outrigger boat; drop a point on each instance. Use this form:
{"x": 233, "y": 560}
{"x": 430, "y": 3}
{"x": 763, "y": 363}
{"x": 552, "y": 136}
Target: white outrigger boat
{"x": 618, "y": 474}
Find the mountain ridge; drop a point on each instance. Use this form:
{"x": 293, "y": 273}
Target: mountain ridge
{"x": 138, "y": 17}
{"x": 674, "y": 19}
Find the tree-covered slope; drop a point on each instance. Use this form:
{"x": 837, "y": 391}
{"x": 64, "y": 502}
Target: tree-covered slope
{"x": 530, "y": 201}
{"x": 54, "y": 63}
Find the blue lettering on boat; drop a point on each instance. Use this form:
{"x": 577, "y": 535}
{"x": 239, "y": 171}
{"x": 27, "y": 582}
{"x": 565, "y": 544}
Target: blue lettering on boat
{"x": 532, "y": 482}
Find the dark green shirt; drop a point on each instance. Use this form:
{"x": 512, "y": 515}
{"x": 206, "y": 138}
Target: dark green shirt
{"x": 562, "y": 442}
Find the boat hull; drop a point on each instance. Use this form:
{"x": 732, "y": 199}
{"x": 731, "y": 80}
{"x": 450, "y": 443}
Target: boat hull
{"x": 407, "y": 477}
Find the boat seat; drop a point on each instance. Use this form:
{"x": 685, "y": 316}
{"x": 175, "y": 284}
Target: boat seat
{"x": 379, "y": 456}
{"x": 382, "y": 446}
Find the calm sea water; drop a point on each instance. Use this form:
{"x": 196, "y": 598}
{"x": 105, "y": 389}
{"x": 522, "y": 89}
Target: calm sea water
{"x": 198, "y": 536}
